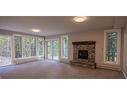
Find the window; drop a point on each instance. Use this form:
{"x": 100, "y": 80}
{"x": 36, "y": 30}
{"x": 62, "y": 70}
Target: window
{"x": 18, "y": 46}
{"x": 5, "y": 50}
{"x": 25, "y": 46}
{"x": 33, "y": 46}
{"x": 55, "y": 49}
{"x": 112, "y": 46}
{"x": 64, "y": 46}
{"x": 49, "y": 49}
{"x": 29, "y": 46}
{"x": 41, "y": 46}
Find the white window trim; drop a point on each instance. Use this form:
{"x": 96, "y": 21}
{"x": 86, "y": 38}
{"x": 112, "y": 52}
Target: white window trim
{"x": 118, "y": 46}
{"x": 62, "y": 56}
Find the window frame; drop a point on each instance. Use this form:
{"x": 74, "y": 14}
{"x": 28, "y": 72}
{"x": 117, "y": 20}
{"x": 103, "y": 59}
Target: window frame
{"x": 46, "y": 48}
{"x": 11, "y": 45}
{"x": 118, "y": 31}
{"x": 23, "y": 45}
{"x": 62, "y": 48}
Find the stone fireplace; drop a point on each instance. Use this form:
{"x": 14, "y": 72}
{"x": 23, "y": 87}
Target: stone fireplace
{"x": 84, "y": 53}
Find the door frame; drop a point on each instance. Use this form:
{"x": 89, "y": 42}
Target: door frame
{"x": 46, "y": 48}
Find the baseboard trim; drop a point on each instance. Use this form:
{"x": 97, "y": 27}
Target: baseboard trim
{"x": 124, "y": 74}
{"x": 110, "y": 68}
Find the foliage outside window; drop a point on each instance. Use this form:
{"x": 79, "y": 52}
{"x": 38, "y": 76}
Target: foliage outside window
{"x": 53, "y": 49}
{"x": 18, "y": 46}
{"x": 5, "y": 50}
{"x": 49, "y": 51}
{"x": 64, "y": 46}
{"x": 111, "y": 49}
{"x": 26, "y": 46}
{"x": 41, "y": 46}
{"x": 112, "y": 46}
{"x": 5, "y": 47}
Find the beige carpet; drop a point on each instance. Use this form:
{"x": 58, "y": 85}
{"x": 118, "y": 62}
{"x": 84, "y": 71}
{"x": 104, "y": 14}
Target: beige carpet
{"x": 54, "y": 70}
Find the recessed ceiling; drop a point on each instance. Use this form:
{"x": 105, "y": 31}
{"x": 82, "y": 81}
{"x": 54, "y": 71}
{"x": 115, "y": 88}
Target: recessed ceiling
{"x": 52, "y": 25}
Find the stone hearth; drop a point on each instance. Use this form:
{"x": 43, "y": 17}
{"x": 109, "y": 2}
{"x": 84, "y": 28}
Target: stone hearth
{"x": 84, "y": 53}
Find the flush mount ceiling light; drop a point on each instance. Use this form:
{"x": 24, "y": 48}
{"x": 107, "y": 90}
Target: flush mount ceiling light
{"x": 79, "y": 18}
{"x": 36, "y": 30}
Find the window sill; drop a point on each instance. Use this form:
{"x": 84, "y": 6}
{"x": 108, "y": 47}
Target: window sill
{"x": 25, "y": 58}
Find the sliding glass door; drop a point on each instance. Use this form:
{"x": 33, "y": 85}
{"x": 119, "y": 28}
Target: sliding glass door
{"x": 49, "y": 50}
{"x": 53, "y": 49}
{"x": 5, "y": 50}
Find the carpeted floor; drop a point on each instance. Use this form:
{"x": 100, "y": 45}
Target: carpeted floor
{"x": 54, "y": 70}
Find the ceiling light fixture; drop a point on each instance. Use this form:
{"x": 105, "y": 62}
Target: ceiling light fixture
{"x": 36, "y": 30}
{"x": 79, "y": 18}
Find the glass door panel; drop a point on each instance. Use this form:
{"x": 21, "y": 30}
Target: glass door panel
{"x": 49, "y": 49}
{"x": 53, "y": 49}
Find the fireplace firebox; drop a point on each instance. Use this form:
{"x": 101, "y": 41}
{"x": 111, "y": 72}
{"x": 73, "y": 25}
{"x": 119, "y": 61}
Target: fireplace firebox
{"x": 83, "y": 54}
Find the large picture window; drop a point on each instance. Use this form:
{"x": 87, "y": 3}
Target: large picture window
{"x": 26, "y": 46}
{"x": 112, "y": 46}
{"x": 64, "y": 46}
{"x": 29, "y": 46}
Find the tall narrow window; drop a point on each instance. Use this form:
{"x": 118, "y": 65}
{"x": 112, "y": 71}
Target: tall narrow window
{"x": 18, "y": 46}
{"x": 112, "y": 46}
{"x": 26, "y": 47}
{"x": 5, "y": 50}
{"x": 33, "y": 46}
{"x": 49, "y": 50}
{"x": 41, "y": 46}
{"x": 55, "y": 49}
{"x": 64, "y": 46}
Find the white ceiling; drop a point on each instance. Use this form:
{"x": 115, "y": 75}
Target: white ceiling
{"x": 52, "y": 25}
